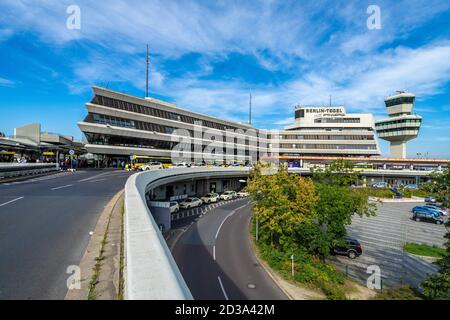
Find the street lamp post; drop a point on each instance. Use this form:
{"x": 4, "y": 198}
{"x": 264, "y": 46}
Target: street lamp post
{"x": 257, "y": 229}
{"x": 292, "y": 265}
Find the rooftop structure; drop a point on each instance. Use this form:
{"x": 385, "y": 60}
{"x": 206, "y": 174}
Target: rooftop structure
{"x": 401, "y": 126}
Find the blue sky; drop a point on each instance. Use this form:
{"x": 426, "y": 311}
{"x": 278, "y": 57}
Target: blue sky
{"x": 208, "y": 55}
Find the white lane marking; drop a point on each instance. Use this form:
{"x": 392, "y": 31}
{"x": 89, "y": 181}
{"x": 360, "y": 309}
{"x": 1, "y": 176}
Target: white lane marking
{"x": 214, "y": 253}
{"x": 223, "y": 289}
{"x": 68, "y": 185}
{"x": 108, "y": 174}
{"x": 97, "y": 180}
{"x": 229, "y": 215}
{"x": 93, "y": 177}
{"x": 13, "y": 200}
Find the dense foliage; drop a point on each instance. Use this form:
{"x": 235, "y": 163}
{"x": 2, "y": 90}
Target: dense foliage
{"x": 306, "y": 217}
{"x": 437, "y": 286}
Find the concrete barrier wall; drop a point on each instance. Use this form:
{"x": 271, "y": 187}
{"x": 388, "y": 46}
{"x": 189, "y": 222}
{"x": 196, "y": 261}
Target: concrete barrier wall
{"x": 9, "y": 170}
{"x": 150, "y": 271}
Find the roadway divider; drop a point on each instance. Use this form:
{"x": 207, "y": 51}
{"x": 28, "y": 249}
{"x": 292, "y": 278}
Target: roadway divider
{"x": 150, "y": 272}
{"x": 11, "y": 170}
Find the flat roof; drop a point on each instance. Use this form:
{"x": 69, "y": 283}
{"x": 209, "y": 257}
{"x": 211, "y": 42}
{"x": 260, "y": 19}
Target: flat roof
{"x": 362, "y": 159}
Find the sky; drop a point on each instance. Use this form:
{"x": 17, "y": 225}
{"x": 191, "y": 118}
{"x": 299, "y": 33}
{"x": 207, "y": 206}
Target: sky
{"x": 207, "y": 56}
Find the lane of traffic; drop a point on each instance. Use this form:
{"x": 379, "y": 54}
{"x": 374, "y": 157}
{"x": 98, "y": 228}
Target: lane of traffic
{"x": 216, "y": 259}
{"x": 47, "y": 231}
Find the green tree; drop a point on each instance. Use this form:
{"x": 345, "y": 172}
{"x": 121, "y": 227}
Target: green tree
{"x": 437, "y": 286}
{"x": 335, "y": 210}
{"x": 337, "y": 173}
{"x": 294, "y": 211}
{"x": 338, "y": 202}
{"x": 439, "y": 187}
{"x": 282, "y": 202}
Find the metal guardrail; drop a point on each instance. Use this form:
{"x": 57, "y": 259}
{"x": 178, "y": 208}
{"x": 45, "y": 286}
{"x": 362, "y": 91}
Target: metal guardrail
{"x": 151, "y": 272}
{"x": 8, "y": 170}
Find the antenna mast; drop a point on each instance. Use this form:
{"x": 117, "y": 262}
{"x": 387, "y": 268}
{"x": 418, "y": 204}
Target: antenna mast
{"x": 250, "y": 110}
{"x": 146, "y": 82}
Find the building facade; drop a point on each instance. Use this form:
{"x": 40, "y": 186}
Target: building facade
{"x": 327, "y": 131}
{"x": 119, "y": 126}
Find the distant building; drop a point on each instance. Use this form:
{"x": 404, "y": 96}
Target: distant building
{"x": 401, "y": 126}
{"x": 33, "y": 144}
{"x": 328, "y": 131}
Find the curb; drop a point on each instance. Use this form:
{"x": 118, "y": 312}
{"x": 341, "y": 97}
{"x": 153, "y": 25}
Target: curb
{"x": 88, "y": 261}
{"x": 264, "y": 265}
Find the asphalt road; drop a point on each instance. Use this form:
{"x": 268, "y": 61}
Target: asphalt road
{"x": 382, "y": 238}
{"x": 216, "y": 259}
{"x": 44, "y": 228}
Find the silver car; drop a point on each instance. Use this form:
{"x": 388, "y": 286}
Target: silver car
{"x": 190, "y": 203}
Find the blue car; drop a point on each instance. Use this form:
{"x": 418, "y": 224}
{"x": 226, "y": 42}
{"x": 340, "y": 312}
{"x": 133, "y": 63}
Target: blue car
{"x": 425, "y": 209}
{"x": 435, "y": 208}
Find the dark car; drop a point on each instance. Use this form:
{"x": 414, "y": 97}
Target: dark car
{"x": 419, "y": 215}
{"x": 351, "y": 249}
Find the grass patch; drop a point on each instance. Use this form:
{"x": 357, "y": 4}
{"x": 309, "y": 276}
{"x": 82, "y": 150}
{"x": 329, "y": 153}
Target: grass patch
{"x": 399, "y": 293}
{"x": 309, "y": 271}
{"x": 424, "y": 250}
{"x": 122, "y": 255}
{"x": 380, "y": 192}
{"x": 408, "y": 193}
{"x": 98, "y": 263}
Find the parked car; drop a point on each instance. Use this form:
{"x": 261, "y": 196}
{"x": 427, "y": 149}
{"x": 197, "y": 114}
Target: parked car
{"x": 174, "y": 207}
{"x": 190, "y": 203}
{"x": 437, "y": 206}
{"x": 427, "y": 217}
{"x": 425, "y": 209}
{"x": 242, "y": 194}
{"x": 412, "y": 186}
{"x": 151, "y": 166}
{"x": 380, "y": 185}
{"x": 351, "y": 249}
{"x": 442, "y": 212}
{"x": 228, "y": 195}
{"x": 430, "y": 199}
{"x": 210, "y": 197}
{"x": 183, "y": 164}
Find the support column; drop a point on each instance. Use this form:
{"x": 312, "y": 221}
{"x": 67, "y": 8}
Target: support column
{"x": 398, "y": 149}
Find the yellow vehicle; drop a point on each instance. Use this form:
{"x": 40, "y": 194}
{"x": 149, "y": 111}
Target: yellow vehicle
{"x": 140, "y": 161}
{"x": 362, "y": 166}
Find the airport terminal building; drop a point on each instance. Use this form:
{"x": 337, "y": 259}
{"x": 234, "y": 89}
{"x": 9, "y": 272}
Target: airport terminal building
{"x": 119, "y": 125}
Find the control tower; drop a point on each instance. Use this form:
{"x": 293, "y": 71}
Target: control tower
{"x": 402, "y": 125}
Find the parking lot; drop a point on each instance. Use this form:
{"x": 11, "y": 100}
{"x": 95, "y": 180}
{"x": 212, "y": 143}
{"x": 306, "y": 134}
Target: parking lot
{"x": 382, "y": 238}
{"x": 186, "y": 216}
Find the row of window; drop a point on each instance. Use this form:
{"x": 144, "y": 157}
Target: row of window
{"x": 337, "y": 120}
{"x": 152, "y": 127}
{"x": 321, "y": 137}
{"x": 397, "y": 130}
{"x": 128, "y": 106}
{"x": 329, "y": 146}
{"x": 398, "y": 101}
{"x": 119, "y": 122}
{"x": 401, "y": 121}
{"x": 329, "y": 129}
{"x": 132, "y": 142}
